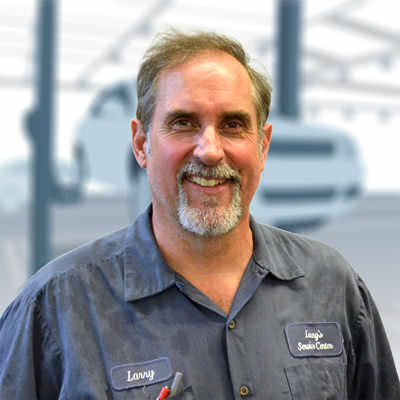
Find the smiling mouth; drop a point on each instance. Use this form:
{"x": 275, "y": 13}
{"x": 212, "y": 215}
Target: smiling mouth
{"x": 206, "y": 182}
{"x": 208, "y": 177}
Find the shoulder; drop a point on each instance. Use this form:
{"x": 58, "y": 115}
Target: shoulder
{"x": 314, "y": 268}
{"x": 305, "y": 252}
{"x": 99, "y": 254}
{"x": 325, "y": 281}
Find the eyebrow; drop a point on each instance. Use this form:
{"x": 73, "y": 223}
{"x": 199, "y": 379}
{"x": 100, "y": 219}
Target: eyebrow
{"x": 180, "y": 114}
{"x": 242, "y": 115}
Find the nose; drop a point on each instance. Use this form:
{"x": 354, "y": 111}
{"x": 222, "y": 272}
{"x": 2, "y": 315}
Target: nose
{"x": 209, "y": 149}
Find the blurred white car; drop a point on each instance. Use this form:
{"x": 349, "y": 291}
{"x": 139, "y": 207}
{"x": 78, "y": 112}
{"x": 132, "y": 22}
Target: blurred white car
{"x": 16, "y": 181}
{"x": 313, "y": 172}
{"x": 14, "y": 186}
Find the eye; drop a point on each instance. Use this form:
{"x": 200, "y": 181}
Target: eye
{"x": 233, "y": 126}
{"x": 182, "y": 124}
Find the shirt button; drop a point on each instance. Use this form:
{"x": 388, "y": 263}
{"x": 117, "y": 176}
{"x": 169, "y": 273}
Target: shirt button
{"x": 244, "y": 390}
{"x": 232, "y": 324}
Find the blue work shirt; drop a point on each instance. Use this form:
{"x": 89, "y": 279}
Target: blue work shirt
{"x": 111, "y": 320}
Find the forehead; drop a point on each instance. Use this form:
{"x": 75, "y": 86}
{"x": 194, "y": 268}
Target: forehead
{"x": 212, "y": 78}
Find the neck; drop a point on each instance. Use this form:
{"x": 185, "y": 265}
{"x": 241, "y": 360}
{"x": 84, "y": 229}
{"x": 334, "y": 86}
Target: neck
{"x": 214, "y": 265}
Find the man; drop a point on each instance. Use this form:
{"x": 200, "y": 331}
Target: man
{"x": 195, "y": 285}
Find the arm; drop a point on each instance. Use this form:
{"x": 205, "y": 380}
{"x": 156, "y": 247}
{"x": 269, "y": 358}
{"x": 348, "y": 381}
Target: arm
{"x": 375, "y": 374}
{"x": 29, "y": 357}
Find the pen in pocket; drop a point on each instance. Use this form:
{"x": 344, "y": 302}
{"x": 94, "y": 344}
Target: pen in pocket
{"x": 166, "y": 391}
{"x": 176, "y": 383}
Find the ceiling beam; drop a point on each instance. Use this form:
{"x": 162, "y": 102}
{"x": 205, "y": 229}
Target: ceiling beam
{"x": 141, "y": 27}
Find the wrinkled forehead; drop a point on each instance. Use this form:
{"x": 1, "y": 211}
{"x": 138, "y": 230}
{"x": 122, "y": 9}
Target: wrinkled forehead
{"x": 210, "y": 71}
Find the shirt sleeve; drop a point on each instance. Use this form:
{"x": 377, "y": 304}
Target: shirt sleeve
{"x": 375, "y": 376}
{"x": 29, "y": 357}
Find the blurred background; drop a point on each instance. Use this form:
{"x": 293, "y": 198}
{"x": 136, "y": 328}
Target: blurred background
{"x": 67, "y": 90}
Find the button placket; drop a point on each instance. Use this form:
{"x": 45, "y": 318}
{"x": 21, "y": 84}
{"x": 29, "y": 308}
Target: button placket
{"x": 244, "y": 390}
{"x": 238, "y": 360}
{"x": 232, "y": 324}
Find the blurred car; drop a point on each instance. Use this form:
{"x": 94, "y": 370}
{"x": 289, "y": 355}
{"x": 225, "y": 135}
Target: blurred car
{"x": 313, "y": 172}
{"x": 14, "y": 186}
{"x": 15, "y": 183}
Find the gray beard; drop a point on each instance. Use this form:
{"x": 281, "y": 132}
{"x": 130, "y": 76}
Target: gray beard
{"x": 212, "y": 220}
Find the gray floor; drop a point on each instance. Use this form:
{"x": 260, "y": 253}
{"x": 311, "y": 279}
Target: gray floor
{"x": 369, "y": 238}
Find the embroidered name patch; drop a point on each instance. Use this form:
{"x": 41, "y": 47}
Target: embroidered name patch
{"x": 314, "y": 339}
{"x": 140, "y": 374}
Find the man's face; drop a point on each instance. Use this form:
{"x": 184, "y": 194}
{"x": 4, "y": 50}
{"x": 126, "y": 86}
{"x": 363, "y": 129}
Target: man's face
{"x": 205, "y": 160}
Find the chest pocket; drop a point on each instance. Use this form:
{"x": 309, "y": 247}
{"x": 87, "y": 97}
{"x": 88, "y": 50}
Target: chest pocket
{"x": 321, "y": 379}
{"x": 185, "y": 394}
{"x": 144, "y": 394}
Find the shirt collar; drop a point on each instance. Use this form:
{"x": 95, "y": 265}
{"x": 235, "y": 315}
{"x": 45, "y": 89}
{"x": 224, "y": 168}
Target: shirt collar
{"x": 272, "y": 251}
{"x": 147, "y": 273}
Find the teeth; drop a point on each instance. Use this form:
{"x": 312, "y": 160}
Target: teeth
{"x": 204, "y": 181}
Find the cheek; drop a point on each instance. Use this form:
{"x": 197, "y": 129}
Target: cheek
{"x": 250, "y": 161}
{"x": 251, "y": 173}
{"x": 166, "y": 160}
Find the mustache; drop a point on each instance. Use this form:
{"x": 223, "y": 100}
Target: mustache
{"x": 199, "y": 169}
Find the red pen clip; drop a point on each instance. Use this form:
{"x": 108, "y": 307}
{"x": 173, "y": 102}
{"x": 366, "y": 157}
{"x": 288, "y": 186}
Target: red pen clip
{"x": 164, "y": 393}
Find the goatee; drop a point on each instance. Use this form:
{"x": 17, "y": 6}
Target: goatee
{"x": 212, "y": 219}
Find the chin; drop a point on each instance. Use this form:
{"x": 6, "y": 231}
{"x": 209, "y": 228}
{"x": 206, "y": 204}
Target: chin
{"x": 210, "y": 222}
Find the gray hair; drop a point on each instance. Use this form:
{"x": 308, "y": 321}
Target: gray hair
{"x": 172, "y": 48}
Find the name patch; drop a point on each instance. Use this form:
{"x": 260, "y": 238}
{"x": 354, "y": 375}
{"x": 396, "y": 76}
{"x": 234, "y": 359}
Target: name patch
{"x": 140, "y": 374}
{"x": 314, "y": 339}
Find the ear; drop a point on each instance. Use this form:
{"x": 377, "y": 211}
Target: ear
{"x": 265, "y": 142}
{"x": 139, "y": 143}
